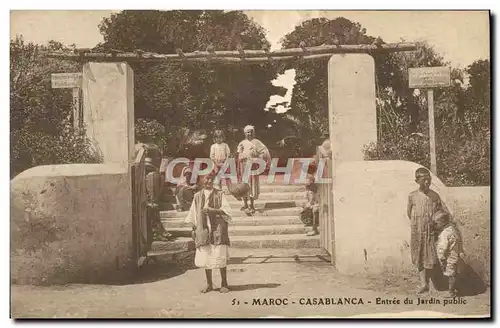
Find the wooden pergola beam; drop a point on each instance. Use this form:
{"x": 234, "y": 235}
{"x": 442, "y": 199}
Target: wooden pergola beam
{"x": 238, "y": 56}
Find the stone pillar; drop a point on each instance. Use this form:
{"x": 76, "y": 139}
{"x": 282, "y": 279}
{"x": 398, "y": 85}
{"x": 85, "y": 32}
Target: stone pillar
{"x": 351, "y": 105}
{"x": 353, "y": 124}
{"x": 108, "y": 114}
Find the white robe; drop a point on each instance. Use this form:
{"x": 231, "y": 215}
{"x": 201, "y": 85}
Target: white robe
{"x": 209, "y": 256}
{"x": 248, "y": 149}
{"x": 219, "y": 153}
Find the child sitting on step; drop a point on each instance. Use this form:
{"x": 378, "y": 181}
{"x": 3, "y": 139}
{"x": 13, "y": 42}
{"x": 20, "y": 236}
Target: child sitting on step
{"x": 310, "y": 211}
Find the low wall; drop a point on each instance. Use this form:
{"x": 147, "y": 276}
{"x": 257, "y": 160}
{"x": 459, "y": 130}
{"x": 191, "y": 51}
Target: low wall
{"x": 70, "y": 223}
{"x": 372, "y": 230}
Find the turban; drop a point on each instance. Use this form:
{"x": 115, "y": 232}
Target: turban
{"x": 185, "y": 170}
{"x": 248, "y": 128}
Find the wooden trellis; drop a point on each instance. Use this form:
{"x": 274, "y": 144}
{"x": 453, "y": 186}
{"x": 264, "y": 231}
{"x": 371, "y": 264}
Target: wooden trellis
{"x": 239, "y": 56}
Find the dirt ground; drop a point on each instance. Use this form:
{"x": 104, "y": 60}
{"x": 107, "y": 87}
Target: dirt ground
{"x": 276, "y": 288}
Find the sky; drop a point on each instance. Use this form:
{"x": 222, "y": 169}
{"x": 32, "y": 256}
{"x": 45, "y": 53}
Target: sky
{"x": 460, "y": 37}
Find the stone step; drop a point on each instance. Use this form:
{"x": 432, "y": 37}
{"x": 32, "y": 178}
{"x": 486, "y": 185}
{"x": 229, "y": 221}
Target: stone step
{"x": 248, "y": 230}
{"x": 295, "y": 241}
{"x": 173, "y": 223}
{"x": 267, "y": 203}
{"x": 266, "y": 188}
{"x": 167, "y": 198}
{"x": 270, "y": 196}
{"x": 170, "y": 253}
{"x": 267, "y": 192}
{"x": 236, "y": 212}
{"x": 276, "y": 241}
{"x": 178, "y": 245}
{"x": 278, "y": 252}
{"x": 242, "y": 256}
{"x": 279, "y": 179}
{"x": 292, "y": 198}
{"x": 245, "y": 256}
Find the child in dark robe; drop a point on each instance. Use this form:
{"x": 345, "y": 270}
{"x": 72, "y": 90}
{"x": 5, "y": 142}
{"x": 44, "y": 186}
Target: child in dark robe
{"x": 311, "y": 206}
{"x": 422, "y": 204}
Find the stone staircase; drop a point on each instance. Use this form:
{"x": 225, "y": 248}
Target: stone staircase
{"x": 275, "y": 225}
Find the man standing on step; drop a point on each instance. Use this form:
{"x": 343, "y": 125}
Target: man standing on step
{"x": 209, "y": 216}
{"x": 154, "y": 184}
{"x": 249, "y": 149}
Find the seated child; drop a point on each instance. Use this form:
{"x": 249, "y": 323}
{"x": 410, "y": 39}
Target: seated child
{"x": 311, "y": 206}
{"x": 185, "y": 190}
{"x": 448, "y": 248}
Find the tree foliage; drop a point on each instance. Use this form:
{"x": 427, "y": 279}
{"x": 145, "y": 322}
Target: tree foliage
{"x": 462, "y": 123}
{"x": 40, "y": 117}
{"x": 309, "y": 103}
{"x": 462, "y": 113}
{"x": 200, "y": 96}
{"x": 179, "y": 105}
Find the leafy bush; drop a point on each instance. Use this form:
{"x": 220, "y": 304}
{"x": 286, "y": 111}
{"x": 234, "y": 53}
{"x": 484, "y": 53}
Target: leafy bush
{"x": 461, "y": 161}
{"x": 40, "y": 117}
{"x": 463, "y": 137}
{"x": 33, "y": 148}
{"x": 150, "y": 131}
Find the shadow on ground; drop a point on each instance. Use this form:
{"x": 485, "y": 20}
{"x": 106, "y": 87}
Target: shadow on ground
{"x": 156, "y": 269}
{"x": 469, "y": 283}
{"x": 240, "y": 288}
{"x": 279, "y": 259}
{"x": 159, "y": 271}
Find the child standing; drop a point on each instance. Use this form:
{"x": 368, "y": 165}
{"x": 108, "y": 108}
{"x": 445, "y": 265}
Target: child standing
{"x": 219, "y": 152}
{"x": 448, "y": 248}
{"x": 422, "y": 204}
{"x": 209, "y": 217}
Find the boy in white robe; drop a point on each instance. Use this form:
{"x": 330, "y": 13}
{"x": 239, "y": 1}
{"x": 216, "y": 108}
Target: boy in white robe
{"x": 209, "y": 216}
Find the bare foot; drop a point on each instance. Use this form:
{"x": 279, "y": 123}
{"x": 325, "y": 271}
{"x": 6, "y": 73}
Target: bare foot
{"x": 207, "y": 289}
{"x": 312, "y": 233}
{"x": 423, "y": 289}
{"x": 224, "y": 289}
{"x": 450, "y": 295}
{"x": 141, "y": 261}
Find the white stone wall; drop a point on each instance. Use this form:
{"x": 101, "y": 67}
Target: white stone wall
{"x": 372, "y": 230}
{"x": 351, "y": 103}
{"x": 71, "y": 223}
{"x": 108, "y": 109}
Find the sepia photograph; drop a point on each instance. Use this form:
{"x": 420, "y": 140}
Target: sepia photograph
{"x": 244, "y": 164}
